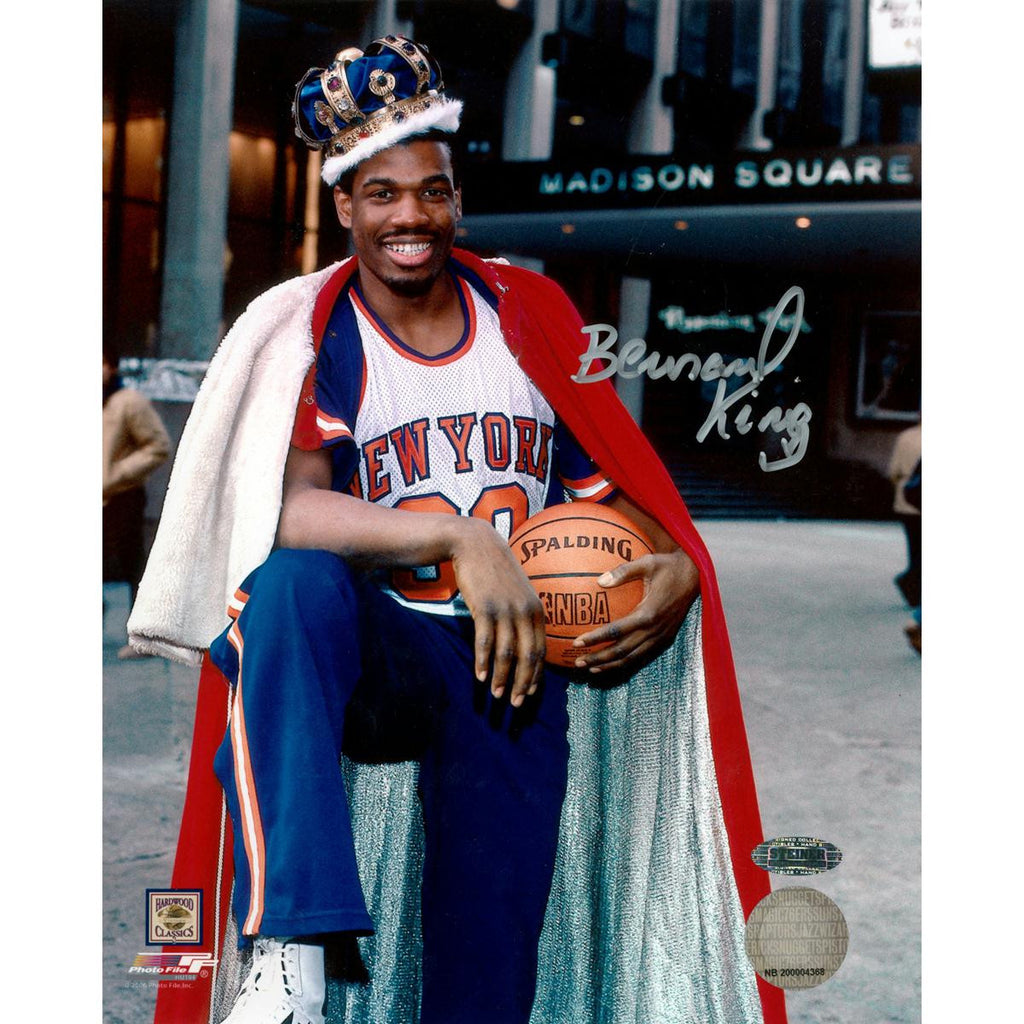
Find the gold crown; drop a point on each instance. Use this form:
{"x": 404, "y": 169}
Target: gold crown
{"x": 369, "y": 100}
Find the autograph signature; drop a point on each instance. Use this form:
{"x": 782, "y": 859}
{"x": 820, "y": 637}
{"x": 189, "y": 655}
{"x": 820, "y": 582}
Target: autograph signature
{"x": 633, "y": 359}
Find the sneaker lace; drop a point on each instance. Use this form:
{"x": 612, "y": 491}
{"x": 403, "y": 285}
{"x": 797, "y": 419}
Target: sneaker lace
{"x": 291, "y": 978}
{"x": 267, "y": 959}
{"x": 251, "y": 985}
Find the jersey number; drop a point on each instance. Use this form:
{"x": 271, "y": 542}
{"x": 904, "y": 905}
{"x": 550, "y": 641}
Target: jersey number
{"x": 505, "y": 506}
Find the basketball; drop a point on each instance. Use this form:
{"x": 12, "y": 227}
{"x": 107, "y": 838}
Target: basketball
{"x": 563, "y": 550}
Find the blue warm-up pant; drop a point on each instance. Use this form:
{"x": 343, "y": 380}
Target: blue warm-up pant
{"x": 320, "y": 662}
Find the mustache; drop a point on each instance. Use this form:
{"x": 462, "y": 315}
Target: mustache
{"x": 421, "y": 235}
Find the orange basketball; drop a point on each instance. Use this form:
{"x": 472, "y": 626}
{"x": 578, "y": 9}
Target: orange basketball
{"x": 563, "y": 550}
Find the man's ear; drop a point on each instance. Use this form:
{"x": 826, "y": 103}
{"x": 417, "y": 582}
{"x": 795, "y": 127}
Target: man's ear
{"x": 458, "y": 204}
{"x": 343, "y": 204}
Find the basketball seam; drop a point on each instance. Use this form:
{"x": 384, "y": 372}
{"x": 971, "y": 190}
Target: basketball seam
{"x": 565, "y": 575}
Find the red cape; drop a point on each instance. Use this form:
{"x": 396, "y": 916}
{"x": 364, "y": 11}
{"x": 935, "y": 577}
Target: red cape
{"x": 542, "y": 328}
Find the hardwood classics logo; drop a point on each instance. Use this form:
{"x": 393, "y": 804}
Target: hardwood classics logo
{"x": 174, "y": 917}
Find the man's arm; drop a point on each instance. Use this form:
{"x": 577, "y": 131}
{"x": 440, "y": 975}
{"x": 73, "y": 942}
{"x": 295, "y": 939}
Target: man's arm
{"x": 508, "y": 618}
{"x": 671, "y": 584}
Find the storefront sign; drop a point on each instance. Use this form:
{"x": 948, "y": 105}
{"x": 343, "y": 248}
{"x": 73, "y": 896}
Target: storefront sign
{"x": 675, "y": 318}
{"x": 777, "y": 173}
{"x": 894, "y": 34}
{"x": 883, "y": 172}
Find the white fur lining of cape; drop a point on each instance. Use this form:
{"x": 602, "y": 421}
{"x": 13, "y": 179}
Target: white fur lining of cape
{"x": 222, "y": 504}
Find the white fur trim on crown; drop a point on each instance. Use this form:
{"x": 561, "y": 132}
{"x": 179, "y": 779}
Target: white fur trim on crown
{"x": 443, "y": 116}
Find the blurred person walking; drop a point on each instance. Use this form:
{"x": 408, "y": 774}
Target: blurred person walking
{"x": 135, "y": 443}
{"x": 905, "y": 474}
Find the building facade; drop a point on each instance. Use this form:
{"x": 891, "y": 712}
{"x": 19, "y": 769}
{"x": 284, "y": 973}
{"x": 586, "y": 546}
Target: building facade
{"x": 729, "y": 190}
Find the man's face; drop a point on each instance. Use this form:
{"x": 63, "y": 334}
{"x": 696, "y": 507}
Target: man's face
{"x": 402, "y": 213}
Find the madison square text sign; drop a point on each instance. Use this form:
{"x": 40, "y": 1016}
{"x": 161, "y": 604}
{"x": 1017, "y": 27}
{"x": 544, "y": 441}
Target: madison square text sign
{"x": 856, "y": 173}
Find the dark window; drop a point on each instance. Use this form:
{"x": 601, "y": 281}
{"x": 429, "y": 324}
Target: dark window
{"x": 746, "y": 45}
{"x": 811, "y": 80}
{"x": 715, "y": 86}
{"x": 603, "y": 55}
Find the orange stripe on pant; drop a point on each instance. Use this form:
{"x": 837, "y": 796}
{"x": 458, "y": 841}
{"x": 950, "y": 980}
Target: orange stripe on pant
{"x": 252, "y": 833}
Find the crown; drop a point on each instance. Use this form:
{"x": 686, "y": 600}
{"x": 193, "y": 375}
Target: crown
{"x": 368, "y": 101}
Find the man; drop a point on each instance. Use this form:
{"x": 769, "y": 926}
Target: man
{"x": 392, "y": 619}
{"x": 135, "y": 444}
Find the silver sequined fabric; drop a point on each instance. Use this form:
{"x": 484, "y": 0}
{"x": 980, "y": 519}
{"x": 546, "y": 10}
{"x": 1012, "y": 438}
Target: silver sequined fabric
{"x": 644, "y": 924}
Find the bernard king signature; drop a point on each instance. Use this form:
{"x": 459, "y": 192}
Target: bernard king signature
{"x": 632, "y": 360}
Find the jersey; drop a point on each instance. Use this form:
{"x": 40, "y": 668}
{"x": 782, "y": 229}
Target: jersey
{"x": 464, "y": 432}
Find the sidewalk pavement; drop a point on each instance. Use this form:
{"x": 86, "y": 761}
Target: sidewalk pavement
{"x": 148, "y": 705}
{"x": 831, "y": 696}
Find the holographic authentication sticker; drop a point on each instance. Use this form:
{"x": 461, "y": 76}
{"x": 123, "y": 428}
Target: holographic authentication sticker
{"x": 796, "y": 938}
{"x": 796, "y": 855}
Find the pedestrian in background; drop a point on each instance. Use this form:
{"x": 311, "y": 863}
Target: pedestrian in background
{"x": 134, "y": 444}
{"x": 903, "y": 465}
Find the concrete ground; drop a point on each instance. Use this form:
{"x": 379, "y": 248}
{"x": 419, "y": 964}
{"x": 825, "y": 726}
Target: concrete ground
{"x": 831, "y": 693}
{"x": 148, "y": 706}
{"x": 831, "y": 696}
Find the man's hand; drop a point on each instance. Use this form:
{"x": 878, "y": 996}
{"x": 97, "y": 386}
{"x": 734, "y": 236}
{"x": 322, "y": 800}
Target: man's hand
{"x": 671, "y": 584}
{"x": 508, "y": 618}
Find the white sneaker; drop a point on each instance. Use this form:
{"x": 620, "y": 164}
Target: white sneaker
{"x": 285, "y": 985}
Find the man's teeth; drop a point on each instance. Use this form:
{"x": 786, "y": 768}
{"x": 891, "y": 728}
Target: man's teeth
{"x": 407, "y": 248}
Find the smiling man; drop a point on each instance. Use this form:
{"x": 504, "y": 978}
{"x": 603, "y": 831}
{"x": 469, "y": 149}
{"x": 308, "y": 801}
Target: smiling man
{"x": 391, "y": 620}
{"x": 402, "y": 216}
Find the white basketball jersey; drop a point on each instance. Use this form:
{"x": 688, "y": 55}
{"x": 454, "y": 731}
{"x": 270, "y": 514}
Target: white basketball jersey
{"x": 465, "y": 432}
